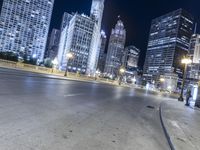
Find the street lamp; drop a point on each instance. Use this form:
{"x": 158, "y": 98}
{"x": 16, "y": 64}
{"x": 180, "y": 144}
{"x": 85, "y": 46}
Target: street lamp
{"x": 134, "y": 80}
{"x": 55, "y": 63}
{"x": 121, "y": 71}
{"x": 162, "y": 80}
{"x": 97, "y": 74}
{"x": 69, "y": 57}
{"x": 186, "y": 62}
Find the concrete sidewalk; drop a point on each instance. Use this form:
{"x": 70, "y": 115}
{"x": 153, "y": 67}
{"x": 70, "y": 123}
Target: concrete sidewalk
{"x": 182, "y": 124}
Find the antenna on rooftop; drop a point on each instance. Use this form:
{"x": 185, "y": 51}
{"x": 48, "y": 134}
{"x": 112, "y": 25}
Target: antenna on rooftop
{"x": 195, "y": 29}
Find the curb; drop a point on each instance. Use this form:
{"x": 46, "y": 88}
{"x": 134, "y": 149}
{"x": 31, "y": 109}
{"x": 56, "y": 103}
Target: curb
{"x": 195, "y": 108}
{"x": 165, "y": 129}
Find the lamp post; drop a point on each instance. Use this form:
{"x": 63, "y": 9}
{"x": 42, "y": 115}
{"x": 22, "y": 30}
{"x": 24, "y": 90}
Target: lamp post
{"x": 162, "y": 81}
{"x": 186, "y": 62}
{"x": 55, "y": 63}
{"x": 121, "y": 71}
{"x": 69, "y": 57}
{"x": 97, "y": 74}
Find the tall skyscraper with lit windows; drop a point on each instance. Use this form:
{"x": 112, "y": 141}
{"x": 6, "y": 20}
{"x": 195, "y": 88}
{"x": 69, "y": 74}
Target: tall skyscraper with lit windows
{"x": 102, "y": 53}
{"x": 115, "y": 50}
{"x": 169, "y": 41}
{"x": 77, "y": 41}
{"x": 24, "y": 26}
{"x": 96, "y": 11}
{"x": 80, "y": 35}
{"x": 193, "y": 71}
{"x": 53, "y": 43}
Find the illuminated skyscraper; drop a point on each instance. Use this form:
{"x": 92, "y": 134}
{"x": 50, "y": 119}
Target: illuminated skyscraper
{"x": 97, "y": 11}
{"x": 195, "y": 48}
{"x": 96, "y": 14}
{"x": 102, "y": 54}
{"x": 194, "y": 53}
{"x": 81, "y": 36}
{"x": 77, "y": 40}
{"x": 169, "y": 41}
{"x": 65, "y": 20}
{"x": 115, "y": 50}
{"x": 53, "y": 43}
{"x": 24, "y": 26}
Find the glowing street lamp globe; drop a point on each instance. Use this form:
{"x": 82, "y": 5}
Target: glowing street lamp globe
{"x": 70, "y": 55}
{"x": 162, "y": 80}
{"x": 186, "y": 61}
{"x": 122, "y": 70}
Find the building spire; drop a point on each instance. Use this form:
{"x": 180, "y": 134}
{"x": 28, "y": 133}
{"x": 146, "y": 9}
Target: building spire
{"x": 119, "y": 17}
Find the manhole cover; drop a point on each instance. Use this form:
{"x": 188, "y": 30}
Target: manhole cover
{"x": 151, "y": 107}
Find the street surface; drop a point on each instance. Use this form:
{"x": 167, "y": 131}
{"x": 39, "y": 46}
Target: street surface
{"x": 38, "y": 113}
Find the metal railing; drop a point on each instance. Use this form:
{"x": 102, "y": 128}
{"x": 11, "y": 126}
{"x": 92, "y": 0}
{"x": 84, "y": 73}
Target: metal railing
{"x": 40, "y": 69}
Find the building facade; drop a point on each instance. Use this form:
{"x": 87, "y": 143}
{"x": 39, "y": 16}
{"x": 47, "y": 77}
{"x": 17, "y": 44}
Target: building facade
{"x": 195, "y": 48}
{"x": 102, "y": 54}
{"x": 193, "y": 71}
{"x": 25, "y": 25}
{"x": 96, "y": 12}
{"x": 53, "y": 44}
{"x": 79, "y": 38}
{"x": 80, "y": 35}
{"x": 63, "y": 38}
{"x": 65, "y": 20}
{"x": 169, "y": 82}
{"x": 115, "y": 50}
{"x": 131, "y": 58}
{"x": 169, "y": 41}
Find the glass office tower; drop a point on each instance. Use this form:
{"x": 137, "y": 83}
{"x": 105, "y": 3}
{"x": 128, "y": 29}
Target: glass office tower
{"x": 24, "y": 27}
{"x": 169, "y": 41}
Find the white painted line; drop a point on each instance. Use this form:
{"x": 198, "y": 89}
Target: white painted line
{"x": 73, "y": 95}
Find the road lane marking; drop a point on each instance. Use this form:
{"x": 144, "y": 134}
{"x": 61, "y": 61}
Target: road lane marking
{"x": 73, "y": 95}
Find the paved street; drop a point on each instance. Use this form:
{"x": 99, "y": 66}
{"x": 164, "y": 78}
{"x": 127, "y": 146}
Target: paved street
{"x": 38, "y": 113}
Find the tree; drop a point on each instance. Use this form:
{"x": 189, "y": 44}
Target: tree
{"x": 9, "y": 56}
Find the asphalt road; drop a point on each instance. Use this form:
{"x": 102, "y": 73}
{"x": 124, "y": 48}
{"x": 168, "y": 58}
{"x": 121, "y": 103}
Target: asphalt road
{"x": 38, "y": 113}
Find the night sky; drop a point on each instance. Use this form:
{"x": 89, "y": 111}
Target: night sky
{"x": 136, "y": 15}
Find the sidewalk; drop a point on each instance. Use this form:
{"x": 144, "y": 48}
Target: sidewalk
{"x": 182, "y": 124}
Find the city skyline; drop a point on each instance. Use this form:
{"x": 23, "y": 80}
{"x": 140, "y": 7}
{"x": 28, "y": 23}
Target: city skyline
{"x": 99, "y": 74}
{"x": 133, "y": 15}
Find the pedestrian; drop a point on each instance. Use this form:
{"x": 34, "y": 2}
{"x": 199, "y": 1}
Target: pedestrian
{"x": 188, "y": 96}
